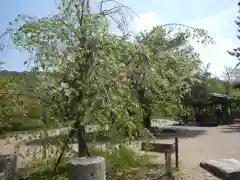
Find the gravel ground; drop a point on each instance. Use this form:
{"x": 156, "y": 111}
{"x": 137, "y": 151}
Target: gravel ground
{"x": 203, "y": 143}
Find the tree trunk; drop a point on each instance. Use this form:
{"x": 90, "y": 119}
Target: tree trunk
{"x": 228, "y": 88}
{"x": 112, "y": 117}
{"x": 82, "y": 145}
{"x": 144, "y": 102}
{"x": 147, "y": 118}
{"x": 63, "y": 149}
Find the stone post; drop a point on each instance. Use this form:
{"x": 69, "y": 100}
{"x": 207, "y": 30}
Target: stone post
{"x": 168, "y": 165}
{"x": 8, "y": 167}
{"x": 87, "y": 168}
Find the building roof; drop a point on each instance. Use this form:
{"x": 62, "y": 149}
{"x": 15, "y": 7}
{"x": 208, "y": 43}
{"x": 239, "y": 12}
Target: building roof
{"x": 218, "y": 95}
{"x": 212, "y": 98}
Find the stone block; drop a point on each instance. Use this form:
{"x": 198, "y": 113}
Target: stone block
{"x": 8, "y": 167}
{"x": 227, "y": 169}
{"x": 87, "y": 168}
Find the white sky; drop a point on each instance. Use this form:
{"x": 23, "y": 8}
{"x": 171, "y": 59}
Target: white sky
{"x": 217, "y": 26}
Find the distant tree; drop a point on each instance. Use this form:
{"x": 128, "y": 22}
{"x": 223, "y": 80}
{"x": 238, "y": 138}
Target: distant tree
{"x": 236, "y": 51}
{"x": 230, "y": 74}
{"x": 1, "y": 63}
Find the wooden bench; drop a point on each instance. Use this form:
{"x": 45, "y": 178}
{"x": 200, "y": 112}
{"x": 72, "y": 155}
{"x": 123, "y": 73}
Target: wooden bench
{"x": 167, "y": 149}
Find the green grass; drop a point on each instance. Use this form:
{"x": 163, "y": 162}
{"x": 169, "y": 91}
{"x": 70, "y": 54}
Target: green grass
{"x": 119, "y": 163}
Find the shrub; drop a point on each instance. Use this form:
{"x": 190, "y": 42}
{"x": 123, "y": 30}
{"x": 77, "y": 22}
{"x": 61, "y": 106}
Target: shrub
{"x": 118, "y": 162}
{"x": 21, "y": 125}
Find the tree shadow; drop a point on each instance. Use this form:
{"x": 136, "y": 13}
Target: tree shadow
{"x": 172, "y": 132}
{"x": 194, "y": 124}
{"x": 101, "y": 137}
{"x": 233, "y": 128}
{"x": 53, "y": 140}
{"x": 43, "y": 174}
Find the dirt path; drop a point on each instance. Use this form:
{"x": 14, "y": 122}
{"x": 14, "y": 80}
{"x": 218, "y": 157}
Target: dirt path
{"x": 205, "y": 143}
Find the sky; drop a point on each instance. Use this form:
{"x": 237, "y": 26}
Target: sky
{"x": 217, "y": 17}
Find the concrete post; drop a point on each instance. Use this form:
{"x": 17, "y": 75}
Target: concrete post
{"x": 168, "y": 166}
{"x": 87, "y": 168}
{"x": 8, "y": 167}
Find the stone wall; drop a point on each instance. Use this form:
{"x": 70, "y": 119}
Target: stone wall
{"x": 8, "y": 167}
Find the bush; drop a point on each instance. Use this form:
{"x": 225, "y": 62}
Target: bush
{"x": 25, "y": 125}
{"x": 121, "y": 159}
{"x": 21, "y": 125}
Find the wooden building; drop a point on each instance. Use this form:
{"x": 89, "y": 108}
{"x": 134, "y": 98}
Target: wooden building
{"x": 213, "y": 110}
